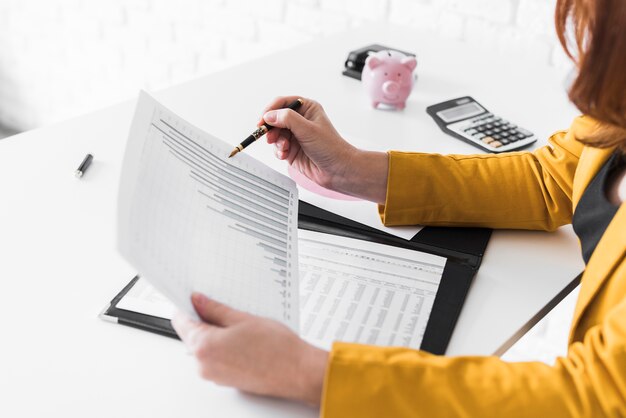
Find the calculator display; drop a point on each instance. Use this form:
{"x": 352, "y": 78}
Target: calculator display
{"x": 460, "y": 112}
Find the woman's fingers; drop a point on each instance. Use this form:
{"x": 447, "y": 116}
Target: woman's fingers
{"x": 213, "y": 312}
{"x": 273, "y": 135}
{"x": 281, "y": 155}
{"x": 282, "y": 144}
{"x": 189, "y": 331}
{"x": 292, "y": 153}
{"x": 282, "y": 140}
{"x": 282, "y": 148}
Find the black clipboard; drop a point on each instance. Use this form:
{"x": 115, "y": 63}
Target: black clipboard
{"x": 463, "y": 247}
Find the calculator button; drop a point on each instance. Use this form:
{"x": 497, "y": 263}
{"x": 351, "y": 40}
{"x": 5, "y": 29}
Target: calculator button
{"x": 488, "y": 140}
{"x": 480, "y": 129}
{"x": 471, "y": 131}
{"x": 496, "y": 123}
{"x": 488, "y": 132}
{"x": 504, "y": 141}
{"x": 524, "y": 132}
{"x": 479, "y": 135}
{"x": 496, "y": 144}
{"x": 489, "y": 126}
{"x": 504, "y": 134}
{"x": 496, "y": 136}
{"x": 521, "y": 136}
{"x": 497, "y": 129}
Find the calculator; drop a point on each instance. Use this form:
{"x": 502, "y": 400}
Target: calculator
{"x": 464, "y": 118}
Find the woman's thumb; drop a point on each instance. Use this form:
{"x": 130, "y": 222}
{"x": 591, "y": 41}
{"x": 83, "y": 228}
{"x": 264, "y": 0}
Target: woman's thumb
{"x": 285, "y": 118}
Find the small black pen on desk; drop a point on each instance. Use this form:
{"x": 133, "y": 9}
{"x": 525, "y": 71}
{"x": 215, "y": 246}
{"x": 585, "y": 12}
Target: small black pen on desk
{"x": 83, "y": 166}
{"x": 262, "y": 130}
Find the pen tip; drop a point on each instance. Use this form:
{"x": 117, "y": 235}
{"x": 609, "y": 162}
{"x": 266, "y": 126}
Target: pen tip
{"x": 235, "y": 151}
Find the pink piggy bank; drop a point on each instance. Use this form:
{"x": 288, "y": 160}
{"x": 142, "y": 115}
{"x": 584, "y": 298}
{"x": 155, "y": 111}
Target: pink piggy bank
{"x": 388, "y": 78}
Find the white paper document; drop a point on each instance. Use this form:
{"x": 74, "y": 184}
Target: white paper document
{"x": 359, "y": 291}
{"x": 350, "y": 290}
{"x": 191, "y": 219}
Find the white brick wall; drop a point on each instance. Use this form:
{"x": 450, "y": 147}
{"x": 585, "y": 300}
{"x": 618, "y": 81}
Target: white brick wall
{"x": 59, "y": 58}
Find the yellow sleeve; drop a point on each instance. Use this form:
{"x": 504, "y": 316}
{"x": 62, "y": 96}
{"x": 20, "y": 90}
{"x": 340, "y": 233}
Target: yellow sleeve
{"x": 521, "y": 190}
{"x": 364, "y": 381}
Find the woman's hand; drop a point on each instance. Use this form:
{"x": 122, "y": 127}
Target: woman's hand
{"x": 250, "y": 353}
{"x": 310, "y": 143}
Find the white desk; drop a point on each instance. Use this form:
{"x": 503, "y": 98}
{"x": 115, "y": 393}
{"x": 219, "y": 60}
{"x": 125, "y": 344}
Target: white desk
{"x": 59, "y": 265}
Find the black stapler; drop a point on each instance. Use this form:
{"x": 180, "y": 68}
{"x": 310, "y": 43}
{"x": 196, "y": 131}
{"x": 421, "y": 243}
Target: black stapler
{"x": 356, "y": 59}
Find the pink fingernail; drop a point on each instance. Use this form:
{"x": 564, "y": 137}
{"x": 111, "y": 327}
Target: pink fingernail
{"x": 198, "y": 299}
{"x": 270, "y": 116}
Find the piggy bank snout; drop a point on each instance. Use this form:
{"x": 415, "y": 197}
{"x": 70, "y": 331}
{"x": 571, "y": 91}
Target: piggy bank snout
{"x": 390, "y": 87}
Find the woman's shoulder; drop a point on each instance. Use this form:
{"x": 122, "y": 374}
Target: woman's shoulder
{"x": 584, "y": 126}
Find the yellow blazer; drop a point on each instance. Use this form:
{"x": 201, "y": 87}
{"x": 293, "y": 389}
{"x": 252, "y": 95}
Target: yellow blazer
{"x": 527, "y": 190}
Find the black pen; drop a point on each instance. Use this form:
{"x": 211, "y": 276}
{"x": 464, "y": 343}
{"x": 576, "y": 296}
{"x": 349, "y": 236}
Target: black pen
{"x": 262, "y": 130}
{"x": 83, "y": 166}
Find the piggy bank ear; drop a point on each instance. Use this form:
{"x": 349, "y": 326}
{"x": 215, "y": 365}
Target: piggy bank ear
{"x": 373, "y": 62}
{"x": 409, "y": 62}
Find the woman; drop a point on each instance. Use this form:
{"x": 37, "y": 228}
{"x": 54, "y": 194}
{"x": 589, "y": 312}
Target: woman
{"x": 580, "y": 177}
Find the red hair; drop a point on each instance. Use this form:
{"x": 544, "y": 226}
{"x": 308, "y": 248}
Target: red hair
{"x": 593, "y": 34}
